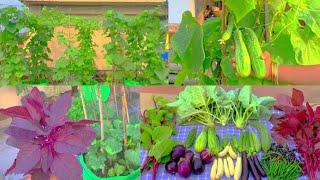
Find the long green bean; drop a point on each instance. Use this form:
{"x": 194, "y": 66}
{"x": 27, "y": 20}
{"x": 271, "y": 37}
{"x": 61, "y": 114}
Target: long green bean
{"x": 278, "y": 169}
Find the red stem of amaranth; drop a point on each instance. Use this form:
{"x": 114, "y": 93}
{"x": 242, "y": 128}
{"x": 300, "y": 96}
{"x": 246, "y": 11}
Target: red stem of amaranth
{"x": 155, "y": 169}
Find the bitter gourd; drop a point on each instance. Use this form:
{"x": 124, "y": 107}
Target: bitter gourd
{"x": 252, "y": 42}
{"x": 243, "y": 64}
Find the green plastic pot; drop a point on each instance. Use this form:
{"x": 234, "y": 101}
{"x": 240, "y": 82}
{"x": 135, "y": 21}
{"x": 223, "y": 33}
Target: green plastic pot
{"x": 87, "y": 174}
{"x": 133, "y": 83}
{"x": 90, "y": 92}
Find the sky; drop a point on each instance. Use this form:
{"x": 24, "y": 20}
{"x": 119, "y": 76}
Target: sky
{"x": 4, "y": 3}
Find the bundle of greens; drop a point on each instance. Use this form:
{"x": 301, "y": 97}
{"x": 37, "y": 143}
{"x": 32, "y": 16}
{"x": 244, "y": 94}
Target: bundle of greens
{"x": 210, "y": 105}
{"x": 157, "y": 127}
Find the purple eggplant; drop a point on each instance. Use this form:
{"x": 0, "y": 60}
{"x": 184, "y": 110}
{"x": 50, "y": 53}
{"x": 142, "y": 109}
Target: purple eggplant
{"x": 197, "y": 166}
{"x": 189, "y": 155}
{"x": 184, "y": 168}
{"x": 178, "y": 152}
{"x": 253, "y": 169}
{"x": 171, "y": 167}
{"x": 245, "y": 169}
{"x": 258, "y": 166}
{"x": 206, "y": 156}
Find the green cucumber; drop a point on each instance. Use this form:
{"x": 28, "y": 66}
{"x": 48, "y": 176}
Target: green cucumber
{"x": 252, "y": 42}
{"x": 243, "y": 64}
{"x": 265, "y": 137}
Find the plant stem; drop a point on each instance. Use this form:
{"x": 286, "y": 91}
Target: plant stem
{"x": 266, "y": 20}
{"x": 107, "y": 115}
{"x": 101, "y": 113}
{"x": 83, "y": 103}
{"x": 115, "y": 99}
{"x": 124, "y": 122}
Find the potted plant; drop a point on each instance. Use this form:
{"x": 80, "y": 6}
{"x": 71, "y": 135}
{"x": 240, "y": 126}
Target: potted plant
{"x": 48, "y": 141}
{"x": 115, "y": 153}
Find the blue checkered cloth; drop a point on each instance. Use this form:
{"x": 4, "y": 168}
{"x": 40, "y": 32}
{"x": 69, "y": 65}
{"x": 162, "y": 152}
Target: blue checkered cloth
{"x": 181, "y": 136}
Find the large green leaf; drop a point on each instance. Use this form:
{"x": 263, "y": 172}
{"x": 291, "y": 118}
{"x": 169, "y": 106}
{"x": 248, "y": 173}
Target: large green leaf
{"x": 187, "y": 43}
{"x": 195, "y": 95}
{"x": 146, "y": 140}
{"x": 240, "y": 8}
{"x": 245, "y": 96}
{"x": 281, "y": 50}
{"x": 309, "y": 12}
{"x": 162, "y": 149}
{"x": 112, "y": 146}
{"x": 306, "y": 46}
{"x": 133, "y": 156}
{"x": 161, "y": 132}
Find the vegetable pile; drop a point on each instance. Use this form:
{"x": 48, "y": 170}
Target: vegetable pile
{"x": 248, "y": 149}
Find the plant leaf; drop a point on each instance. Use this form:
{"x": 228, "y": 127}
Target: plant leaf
{"x": 161, "y": 149}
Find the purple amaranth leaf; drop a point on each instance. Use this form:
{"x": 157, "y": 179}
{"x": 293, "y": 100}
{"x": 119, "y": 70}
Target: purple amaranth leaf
{"x": 36, "y": 95}
{"x": 46, "y": 159}
{"x": 16, "y": 111}
{"x": 34, "y": 109}
{"x": 66, "y": 167}
{"x": 74, "y": 140}
{"x": 23, "y": 124}
{"x": 58, "y": 110}
{"x": 27, "y": 158}
{"x": 20, "y": 133}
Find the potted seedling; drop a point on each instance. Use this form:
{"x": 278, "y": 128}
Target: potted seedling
{"x": 48, "y": 141}
{"x": 115, "y": 153}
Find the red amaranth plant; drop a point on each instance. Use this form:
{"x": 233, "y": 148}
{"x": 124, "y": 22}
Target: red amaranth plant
{"x": 302, "y": 124}
{"x": 48, "y": 141}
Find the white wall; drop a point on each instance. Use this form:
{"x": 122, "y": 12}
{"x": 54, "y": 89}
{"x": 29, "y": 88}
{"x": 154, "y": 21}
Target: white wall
{"x": 176, "y": 8}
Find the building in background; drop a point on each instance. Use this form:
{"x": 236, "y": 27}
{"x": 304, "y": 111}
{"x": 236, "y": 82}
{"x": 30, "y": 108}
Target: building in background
{"x": 95, "y": 8}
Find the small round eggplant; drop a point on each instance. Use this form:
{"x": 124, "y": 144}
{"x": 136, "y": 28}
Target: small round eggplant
{"x": 178, "y": 152}
{"x": 189, "y": 155}
{"x": 206, "y": 156}
{"x": 184, "y": 168}
{"x": 197, "y": 166}
{"x": 171, "y": 167}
